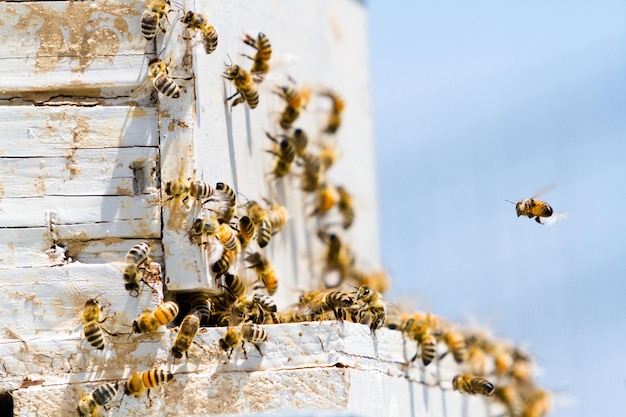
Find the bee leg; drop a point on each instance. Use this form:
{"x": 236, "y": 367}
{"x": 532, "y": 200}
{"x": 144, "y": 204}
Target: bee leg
{"x": 414, "y": 358}
{"x": 258, "y": 348}
{"x": 247, "y": 56}
{"x": 231, "y": 97}
{"x": 443, "y": 355}
{"x": 109, "y": 332}
{"x": 149, "y": 399}
{"x": 538, "y": 220}
{"x": 243, "y": 347}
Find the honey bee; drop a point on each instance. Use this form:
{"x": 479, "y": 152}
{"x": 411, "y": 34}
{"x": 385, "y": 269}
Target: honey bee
{"x": 138, "y": 383}
{"x": 199, "y": 190}
{"x": 510, "y": 398}
{"x": 90, "y": 404}
{"x": 260, "y": 66}
{"x": 326, "y": 197}
{"x": 423, "y": 329}
{"x": 532, "y": 207}
{"x": 334, "y": 118}
{"x": 261, "y": 219}
{"x": 264, "y": 270}
{"x": 188, "y": 330}
{"x": 92, "y": 318}
{"x": 255, "y": 308}
{"x": 338, "y": 256}
{"x": 346, "y": 207}
{"x": 456, "y": 345}
{"x": 228, "y": 238}
{"x": 247, "y": 332}
{"x": 372, "y": 309}
{"x": 311, "y": 176}
{"x": 245, "y": 85}
{"x": 202, "y": 306}
{"x": 537, "y": 404}
{"x": 196, "y": 21}
{"x": 203, "y": 227}
{"x": 317, "y": 304}
{"x": 247, "y": 231}
{"x": 137, "y": 261}
{"x": 228, "y": 202}
{"x": 149, "y": 321}
{"x": 300, "y": 141}
{"x": 222, "y": 265}
{"x": 152, "y": 17}
{"x": 277, "y": 216}
{"x": 159, "y": 74}
{"x": 296, "y": 100}
{"x": 285, "y": 153}
{"x": 234, "y": 286}
{"x": 328, "y": 155}
{"x": 472, "y": 385}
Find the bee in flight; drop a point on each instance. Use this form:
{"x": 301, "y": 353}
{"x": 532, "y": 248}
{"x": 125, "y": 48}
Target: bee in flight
{"x": 152, "y": 18}
{"x": 196, "y": 21}
{"x": 263, "y": 47}
{"x": 472, "y": 385}
{"x": 532, "y": 207}
{"x": 90, "y": 404}
{"x": 245, "y": 85}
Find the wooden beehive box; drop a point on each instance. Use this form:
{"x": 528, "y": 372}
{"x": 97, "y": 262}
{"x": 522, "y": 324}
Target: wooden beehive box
{"x": 83, "y": 165}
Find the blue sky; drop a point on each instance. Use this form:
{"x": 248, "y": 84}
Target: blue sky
{"x": 477, "y": 102}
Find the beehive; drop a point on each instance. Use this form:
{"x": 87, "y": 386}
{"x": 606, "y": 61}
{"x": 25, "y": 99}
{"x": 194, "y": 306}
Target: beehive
{"x": 83, "y": 166}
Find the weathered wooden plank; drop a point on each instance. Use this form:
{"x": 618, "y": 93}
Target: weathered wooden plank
{"x": 58, "y": 131}
{"x": 35, "y": 246}
{"x": 55, "y": 297}
{"x": 82, "y": 172}
{"x": 53, "y": 211}
{"x": 71, "y": 47}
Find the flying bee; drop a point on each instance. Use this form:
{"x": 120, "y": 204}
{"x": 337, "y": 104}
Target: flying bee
{"x": 346, "y": 207}
{"x": 338, "y": 255}
{"x": 300, "y": 140}
{"x": 152, "y": 18}
{"x": 424, "y": 330}
{"x": 456, "y": 345}
{"x": 285, "y": 153}
{"x": 334, "y": 118}
{"x": 510, "y": 398}
{"x": 472, "y": 385}
{"x": 326, "y": 197}
{"x": 197, "y": 22}
{"x": 537, "y": 404}
{"x": 222, "y": 265}
{"x": 259, "y": 217}
{"x": 228, "y": 238}
{"x": 149, "y": 321}
{"x": 311, "y": 176}
{"x": 90, "y": 404}
{"x": 264, "y": 270}
{"x": 138, "y": 383}
{"x": 277, "y": 216}
{"x": 92, "y": 318}
{"x": 247, "y": 332}
{"x": 372, "y": 308}
{"x": 188, "y": 330}
{"x": 247, "y": 231}
{"x": 245, "y": 85}
{"x": 227, "y": 204}
{"x": 328, "y": 155}
{"x": 296, "y": 100}
{"x": 317, "y": 305}
{"x": 260, "y": 66}
{"x": 532, "y": 207}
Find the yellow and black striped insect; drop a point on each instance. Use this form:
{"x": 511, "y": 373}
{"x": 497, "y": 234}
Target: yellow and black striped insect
{"x": 90, "y": 404}
{"x": 197, "y": 22}
{"x": 92, "y": 318}
{"x": 149, "y": 321}
{"x": 152, "y": 18}
{"x": 188, "y": 330}
{"x": 138, "y": 383}
{"x": 472, "y": 385}
{"x": 247, "y": 332}
{"x": 260, "y": 66}
{"x": 245, "y": 85}
{"x": 264, "y": 270}
{"x": 246, "y": 232}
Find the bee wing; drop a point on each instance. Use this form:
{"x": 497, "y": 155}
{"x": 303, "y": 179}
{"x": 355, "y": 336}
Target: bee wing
{"x": 143, "y": 90}
{"x": 557, "y": 216}
{"x": 543, "y": 191}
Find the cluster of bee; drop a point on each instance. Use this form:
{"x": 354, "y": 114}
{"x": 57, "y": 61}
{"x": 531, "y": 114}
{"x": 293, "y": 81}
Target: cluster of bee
{"x": 491, "y": 367}
{"x": 242, "y": 231}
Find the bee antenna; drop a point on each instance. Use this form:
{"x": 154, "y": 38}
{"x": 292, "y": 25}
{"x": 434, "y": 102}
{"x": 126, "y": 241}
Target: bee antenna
{"x": 230, "y": 59}
{"x": 509, "y": 201}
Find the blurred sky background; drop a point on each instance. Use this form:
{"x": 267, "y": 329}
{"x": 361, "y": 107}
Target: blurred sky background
{"x": 476, "y": 102}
